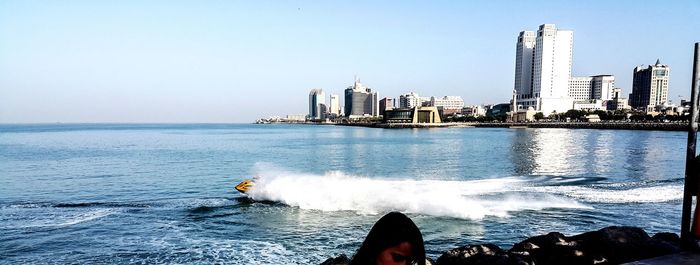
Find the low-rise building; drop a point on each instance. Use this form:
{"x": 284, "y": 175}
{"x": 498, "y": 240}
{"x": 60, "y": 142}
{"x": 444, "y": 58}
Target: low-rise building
{"x": 590, "y": 105}
{"x": 618, "y": 102}
{"x": 410, "y": 100}
{"x": 522, "y": 115}
{"x": 474, "y": 111}
{"x": 296, "y": 117}
{"x": 385, "y": 104}
{"x": 497, "y": 110}
{"x": 413, "y": 115}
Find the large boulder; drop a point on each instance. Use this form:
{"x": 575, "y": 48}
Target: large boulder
{"x": 343, "y": 260}
{"x": 339, "y": 260}
{"x": 482, "y": 254}
{"x": 611, "y": 245}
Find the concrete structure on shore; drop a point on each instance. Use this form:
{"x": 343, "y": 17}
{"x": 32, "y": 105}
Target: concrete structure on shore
{"x": 413, "y": 115}
{"x": 650, "y": 87}
{"x": 543, "y": 69}
{"x": 360, "y": 101}
{"x": 317, "y": 104}
{"x": 523, "y": 115}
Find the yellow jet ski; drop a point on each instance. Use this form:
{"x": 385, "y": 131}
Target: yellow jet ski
{"x": 244, "y": 186}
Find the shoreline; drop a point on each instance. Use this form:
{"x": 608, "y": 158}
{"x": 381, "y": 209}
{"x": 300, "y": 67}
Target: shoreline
{"x": 648, "y": 126}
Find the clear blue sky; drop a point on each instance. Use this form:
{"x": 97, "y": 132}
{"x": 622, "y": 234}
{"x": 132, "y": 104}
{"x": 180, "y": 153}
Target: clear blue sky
{"x": 234, "y": 61}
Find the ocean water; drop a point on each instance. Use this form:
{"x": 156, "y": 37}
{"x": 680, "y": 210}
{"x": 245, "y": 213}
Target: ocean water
{"x": 111, "y": 193}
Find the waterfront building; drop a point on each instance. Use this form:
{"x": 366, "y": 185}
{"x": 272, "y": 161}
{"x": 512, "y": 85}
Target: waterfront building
{"x": 334, "y": 106}
{"x": 412, "y": 115}
{"x": 522, "y": 115}
{"x": 590, "y": 105}
{"x": 592, "y": 87}
{"x": 385, "y": 104}
{"x": 447, "y": 104}
{"x": 498, "y": 109}
{"x": 650, "y": 87}
{"x": 523, "y": 64}
{"x": 603, "y": 86}
{"x": 360, "y": 101}
{"x": 581, "y": 87}
{"x": 474, "y": 111}
{"x": 617, "y": 102}
{"x": 317, "y": 104}
{"x": 543, "y": 69}
{"x": 296, "y": 117}
{"x": 410, "y": 100}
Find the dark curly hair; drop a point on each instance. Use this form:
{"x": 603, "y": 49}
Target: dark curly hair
{"x": 391, "y": 230}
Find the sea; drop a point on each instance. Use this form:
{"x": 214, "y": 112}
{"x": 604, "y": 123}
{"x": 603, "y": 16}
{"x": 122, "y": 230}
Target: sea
{"x": 164, "y": 193}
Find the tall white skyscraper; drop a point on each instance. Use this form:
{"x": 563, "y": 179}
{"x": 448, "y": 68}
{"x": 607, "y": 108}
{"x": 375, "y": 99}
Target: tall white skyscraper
{"x": 547, "y": 89}
{"x": 523, "y": 64}
{"x": 334, "y": 107}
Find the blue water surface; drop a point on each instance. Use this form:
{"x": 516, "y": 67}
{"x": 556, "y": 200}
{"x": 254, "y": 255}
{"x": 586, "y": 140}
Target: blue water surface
{"x": 162, "y": 193}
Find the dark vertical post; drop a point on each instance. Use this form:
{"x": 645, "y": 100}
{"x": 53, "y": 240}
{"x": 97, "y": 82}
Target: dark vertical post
{"x": 691, "y": 175}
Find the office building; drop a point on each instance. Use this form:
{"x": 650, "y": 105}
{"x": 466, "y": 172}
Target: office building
{"x": 598, "y": 87}
{"x": 650, "y": 87}
{"x": 474, "y": 111}
{"x": 385, "y": 104}
{"x": 334, "y": 106}
{"x": 543, "y": 69}
{"x": 617, "y": 102}
{"x": 317, "y": 104}
{"x": 410, "y": 100}
{"x": 360, "y": 101}
{"x": 447, "y": 102}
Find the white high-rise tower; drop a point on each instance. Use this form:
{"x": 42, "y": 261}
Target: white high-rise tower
{"x": 547, "y": 89}
{"x": 523, "y": 64}
{"x": 334, "y": 107}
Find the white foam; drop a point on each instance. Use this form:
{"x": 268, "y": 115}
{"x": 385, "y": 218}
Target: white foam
{"x": 654, "y": 194}
{"x": 60, "y": 219}
{"x": 86, "y": 217}
{"x": 336, "y": 191}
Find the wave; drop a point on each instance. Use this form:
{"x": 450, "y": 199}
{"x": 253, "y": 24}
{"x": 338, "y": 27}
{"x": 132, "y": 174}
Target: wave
{"x": 604, "y": 194}
{"x": 51, "y": 220}
{"x": 159, "y": 203}
{"x": 473, "y": 199}
{"x": 336, "y": 191}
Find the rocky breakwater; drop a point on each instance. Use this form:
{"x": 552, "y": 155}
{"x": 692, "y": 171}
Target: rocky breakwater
{"x": 611, "y": 245}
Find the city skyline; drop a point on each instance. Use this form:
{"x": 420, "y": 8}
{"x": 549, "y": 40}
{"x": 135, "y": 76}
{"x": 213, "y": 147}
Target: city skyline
{"x": 80, "y": 61}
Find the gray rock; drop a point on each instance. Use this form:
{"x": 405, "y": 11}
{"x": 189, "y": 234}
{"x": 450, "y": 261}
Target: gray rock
{"x": 611, "y": 245}
{"x": 482, "y": 254}
{"x": 339, "y": 260}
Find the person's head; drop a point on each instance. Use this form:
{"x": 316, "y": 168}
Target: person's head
{"x": 394, "y": 239}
